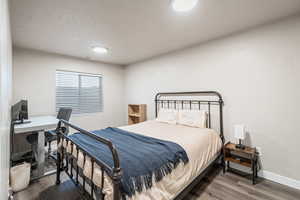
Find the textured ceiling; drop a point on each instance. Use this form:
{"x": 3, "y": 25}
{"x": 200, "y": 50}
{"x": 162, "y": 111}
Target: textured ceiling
{"x": 134, "y": 30}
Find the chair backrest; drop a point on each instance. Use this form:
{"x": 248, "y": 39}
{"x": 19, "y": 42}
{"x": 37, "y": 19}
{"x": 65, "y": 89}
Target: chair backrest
{"x": 64, "y": 113}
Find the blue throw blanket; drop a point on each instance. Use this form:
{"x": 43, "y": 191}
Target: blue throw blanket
{"x": 141, "y": 157}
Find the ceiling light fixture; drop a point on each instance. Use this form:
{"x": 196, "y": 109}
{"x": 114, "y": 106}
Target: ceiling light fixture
{"x": 100, "y": 50}
{"x": 183, "y": 5}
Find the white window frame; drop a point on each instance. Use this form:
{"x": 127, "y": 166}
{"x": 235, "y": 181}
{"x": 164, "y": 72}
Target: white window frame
{"x": 76, "y": 111}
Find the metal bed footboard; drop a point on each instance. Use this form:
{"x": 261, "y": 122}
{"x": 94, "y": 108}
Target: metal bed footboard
{"x": 67, "y": 163}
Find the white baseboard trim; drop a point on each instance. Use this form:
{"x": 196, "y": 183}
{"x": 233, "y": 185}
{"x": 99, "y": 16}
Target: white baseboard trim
{"x": 280, "y": 179}
{"x": 272, "y": 177}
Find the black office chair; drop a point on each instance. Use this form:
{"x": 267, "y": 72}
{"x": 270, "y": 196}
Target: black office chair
{"x": 50, "y": 136}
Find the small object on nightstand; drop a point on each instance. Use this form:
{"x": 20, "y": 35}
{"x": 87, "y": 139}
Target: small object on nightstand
{"x": 247, "y": 157}
{"x": 239, "y": 133}
{"x": 136, "y": 113}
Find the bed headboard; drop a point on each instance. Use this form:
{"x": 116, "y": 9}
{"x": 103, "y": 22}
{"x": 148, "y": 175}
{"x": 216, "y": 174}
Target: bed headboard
{"x": 204, "y": 100}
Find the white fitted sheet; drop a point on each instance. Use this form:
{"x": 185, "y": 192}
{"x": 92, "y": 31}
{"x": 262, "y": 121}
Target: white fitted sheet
{"x": 202, "y": 147}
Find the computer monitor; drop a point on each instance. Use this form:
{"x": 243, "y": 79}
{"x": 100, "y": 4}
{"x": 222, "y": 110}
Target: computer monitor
{"x": 19, "y": 111}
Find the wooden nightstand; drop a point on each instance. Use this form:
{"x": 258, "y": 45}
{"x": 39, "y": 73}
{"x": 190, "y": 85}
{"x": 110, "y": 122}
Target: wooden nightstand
{"x": 247, "y": 157}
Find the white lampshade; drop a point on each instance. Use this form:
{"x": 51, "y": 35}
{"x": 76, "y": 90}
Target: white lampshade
{"x": 239, "y": 131}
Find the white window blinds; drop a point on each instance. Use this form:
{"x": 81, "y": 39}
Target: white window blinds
{"x": 79, "y": 91}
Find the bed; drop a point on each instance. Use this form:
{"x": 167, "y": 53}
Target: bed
{"x": 203, "y": 146}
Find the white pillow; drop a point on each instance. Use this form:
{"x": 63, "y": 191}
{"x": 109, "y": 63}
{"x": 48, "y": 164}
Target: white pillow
{"x": 169, "y": 116}
{"x": 193, "y": 118}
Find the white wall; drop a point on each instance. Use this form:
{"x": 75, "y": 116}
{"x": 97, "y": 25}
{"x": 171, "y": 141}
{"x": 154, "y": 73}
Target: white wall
{"x": 5, "y": 96}
{"x": 258, "y": 74}
{"x": 34, "y": 80}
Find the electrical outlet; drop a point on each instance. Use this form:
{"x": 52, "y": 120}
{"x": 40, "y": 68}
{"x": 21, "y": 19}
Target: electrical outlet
{"x": 258, "y": 149}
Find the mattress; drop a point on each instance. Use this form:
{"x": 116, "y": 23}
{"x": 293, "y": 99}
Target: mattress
{"x": 201, "y": 145}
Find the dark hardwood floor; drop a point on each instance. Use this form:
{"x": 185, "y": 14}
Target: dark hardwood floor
{"x": 216, "y": 186}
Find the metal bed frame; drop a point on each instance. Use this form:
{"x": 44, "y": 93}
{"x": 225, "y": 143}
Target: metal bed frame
{"x": 67, "y": 162}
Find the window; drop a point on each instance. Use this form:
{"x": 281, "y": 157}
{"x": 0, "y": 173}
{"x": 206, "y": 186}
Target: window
{"x": 79, "y": 91}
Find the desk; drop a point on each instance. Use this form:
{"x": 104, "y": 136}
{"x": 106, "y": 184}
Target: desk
{"x": 38, "y": 124}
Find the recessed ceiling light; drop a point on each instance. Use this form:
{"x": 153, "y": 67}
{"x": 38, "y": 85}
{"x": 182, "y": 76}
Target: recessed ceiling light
{"x": 183, "y": 5}
{"x": 100, "y": 50}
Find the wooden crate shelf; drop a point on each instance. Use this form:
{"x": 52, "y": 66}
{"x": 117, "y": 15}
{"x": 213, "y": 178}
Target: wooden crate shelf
{"x": 136, "y": 113}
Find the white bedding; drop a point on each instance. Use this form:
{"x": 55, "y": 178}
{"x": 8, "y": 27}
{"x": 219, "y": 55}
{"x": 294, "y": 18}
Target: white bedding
{"x": 201, "y": 145}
